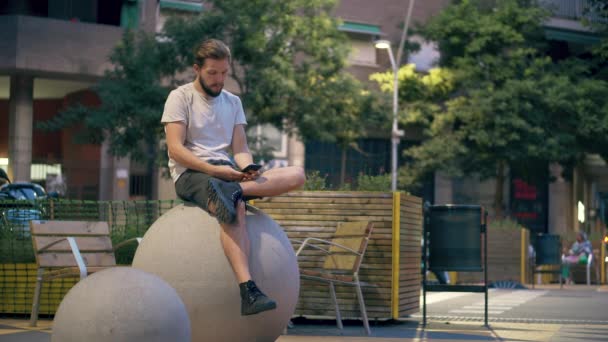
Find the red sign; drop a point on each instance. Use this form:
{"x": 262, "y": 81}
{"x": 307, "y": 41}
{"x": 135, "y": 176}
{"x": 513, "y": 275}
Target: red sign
{"x": 523, "y": 190}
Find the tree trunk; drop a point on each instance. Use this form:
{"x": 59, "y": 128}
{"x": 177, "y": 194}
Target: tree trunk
{"x": 343, "y": 166}
{"x": 152, "y": 169}
{"x": 499, "y": 190}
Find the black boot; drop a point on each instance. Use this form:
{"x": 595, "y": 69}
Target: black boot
{"x": 225, "y": 196}
{"x": 253, "y": 301}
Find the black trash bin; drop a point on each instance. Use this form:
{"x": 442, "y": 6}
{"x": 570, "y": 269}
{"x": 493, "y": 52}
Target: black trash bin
{"x": 548, "y": 248}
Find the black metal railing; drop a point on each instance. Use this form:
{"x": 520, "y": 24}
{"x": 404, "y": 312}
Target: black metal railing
{"x": 573, "y": 9}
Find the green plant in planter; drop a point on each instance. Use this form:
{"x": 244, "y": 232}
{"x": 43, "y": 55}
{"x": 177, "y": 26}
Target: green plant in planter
{"x": 315, "y": 181}
{"x": 373, "y": 183}
{"x": 15, "y": 246}
{"x": 124, "y": 255}
{"x": 345, "y": 187}
{"x": 504, "y": 225}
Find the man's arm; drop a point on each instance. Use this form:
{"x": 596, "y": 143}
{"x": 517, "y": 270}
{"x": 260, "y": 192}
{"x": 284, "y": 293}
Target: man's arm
{"x": 176, "y": 136}
{"x": 240, "y": 149}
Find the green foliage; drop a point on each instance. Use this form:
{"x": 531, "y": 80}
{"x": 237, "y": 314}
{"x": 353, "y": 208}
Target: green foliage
{"x": 288, "y": 60}
{"x": 422, "y": 98}
{"x": 124, "y": 255}
{"x": 315, "y": 181}
{"x": 260, "y": 149}
{"x": 595, "y": 16}
{"x": 14, "y": 247}
{"x": 131, "y": 100}
{"x": 420, "y": 94}
{"x": 488, "y": 43}
{"x": 503, "y": 225}
{"x": 510, "y": 105}
{"x": 374, "y": 183}
{"x": 346, "y": 186}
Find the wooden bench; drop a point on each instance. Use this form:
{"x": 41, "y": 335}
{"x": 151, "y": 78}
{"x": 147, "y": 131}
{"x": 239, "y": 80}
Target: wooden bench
{"x": 70, "y": 248}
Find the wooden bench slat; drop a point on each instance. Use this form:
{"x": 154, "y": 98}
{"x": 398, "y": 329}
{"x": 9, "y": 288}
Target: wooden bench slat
{"x": 54, "y": 259}
{"x": 85, "y": 244}
{"x": 70, "y": 271}
{"x": 69, "y": 228}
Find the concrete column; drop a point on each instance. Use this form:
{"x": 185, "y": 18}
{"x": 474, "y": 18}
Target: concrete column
{"x": 113, "y": 176}
{"x": 106, "y": 172}
{"x": 559, "y": 201}
{"x": 21, "y": 118}
{"x": 576, "y": 184}
{"x": 444, "y": 192}
{"x": 165, "y": 187}
{"x": 296, "y": 152}
{"x": 121, "y": 179}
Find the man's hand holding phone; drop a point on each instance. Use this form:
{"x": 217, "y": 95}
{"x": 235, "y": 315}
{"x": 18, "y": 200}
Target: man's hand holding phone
{"x": 251, "y": 172}
{"x": 251, "y": 167}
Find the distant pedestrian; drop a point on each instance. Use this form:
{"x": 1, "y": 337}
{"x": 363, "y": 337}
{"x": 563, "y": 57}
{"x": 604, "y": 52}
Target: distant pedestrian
{"x": 578, "y": 254}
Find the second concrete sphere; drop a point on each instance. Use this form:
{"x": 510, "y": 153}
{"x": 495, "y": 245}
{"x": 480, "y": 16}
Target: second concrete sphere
{"x": 121, "y": 304}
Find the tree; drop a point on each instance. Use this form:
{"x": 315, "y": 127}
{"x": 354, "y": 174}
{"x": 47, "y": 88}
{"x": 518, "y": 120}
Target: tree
{"x": 131, "y": 99}
{"x": 284, "y": 54}
{"x": 421, "y": 96}
{"x": 512, "y": 107}
{"x": 596, "y": 17}
{"x": 350, "y": 113}
{"x": 288, "y": 60}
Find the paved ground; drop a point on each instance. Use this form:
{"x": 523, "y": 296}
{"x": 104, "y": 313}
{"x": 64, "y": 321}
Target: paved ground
{"x": 403, "y": 331}
{"x": 437, "y": 329}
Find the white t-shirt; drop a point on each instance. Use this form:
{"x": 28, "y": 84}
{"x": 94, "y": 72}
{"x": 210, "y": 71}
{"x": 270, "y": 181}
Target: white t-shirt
{"x": 209, "y": 123}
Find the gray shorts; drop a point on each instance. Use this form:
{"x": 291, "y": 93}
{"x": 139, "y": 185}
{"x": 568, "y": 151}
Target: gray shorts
{"x": 191, "y": 186}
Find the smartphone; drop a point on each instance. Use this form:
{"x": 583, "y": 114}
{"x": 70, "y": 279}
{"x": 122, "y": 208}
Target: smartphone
{"x": 251, "y": 167}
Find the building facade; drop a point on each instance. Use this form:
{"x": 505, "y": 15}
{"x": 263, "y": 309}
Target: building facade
{"x": 52, "y": 52}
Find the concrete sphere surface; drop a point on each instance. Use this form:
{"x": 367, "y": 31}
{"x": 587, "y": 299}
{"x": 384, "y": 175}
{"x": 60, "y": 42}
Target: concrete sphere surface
{"x": 183, "y": 247}
{"x": 121, "y": 304}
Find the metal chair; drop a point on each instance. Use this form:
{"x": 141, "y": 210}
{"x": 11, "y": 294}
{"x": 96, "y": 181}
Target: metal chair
{"x": 343, "y": 256}
{"x": 588, "y": 266}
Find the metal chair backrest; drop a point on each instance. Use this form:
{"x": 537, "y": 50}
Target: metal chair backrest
{"x": 454, "y": 234}
{"x": 353, "y": 235}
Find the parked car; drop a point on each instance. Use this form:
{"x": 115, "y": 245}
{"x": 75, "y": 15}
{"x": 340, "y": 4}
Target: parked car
{"x": 18, "y": 206}
{"x": 22, "y": 191}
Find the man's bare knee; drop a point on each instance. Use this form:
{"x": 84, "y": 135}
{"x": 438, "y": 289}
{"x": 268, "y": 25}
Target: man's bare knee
{"x": 297, "y": 177}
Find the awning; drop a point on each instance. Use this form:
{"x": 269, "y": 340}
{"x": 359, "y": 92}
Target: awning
{"x": 580, "y": 37}
{"x": 353, "y": 27}
{"x": 181, "y": 5}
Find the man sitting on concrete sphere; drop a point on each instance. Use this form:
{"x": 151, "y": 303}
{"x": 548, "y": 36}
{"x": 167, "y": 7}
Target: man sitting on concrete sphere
{"x": 202, "y": 122}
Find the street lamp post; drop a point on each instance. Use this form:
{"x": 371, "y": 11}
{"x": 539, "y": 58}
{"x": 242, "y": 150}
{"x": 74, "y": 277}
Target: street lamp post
{"x": 396, "y": 133}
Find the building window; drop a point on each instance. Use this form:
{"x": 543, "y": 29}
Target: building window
{"x": 361, "y": 37}
{"x": 139, "y": 186}
{"x": 266, "y": 137}
{"x": 362, "y": 52}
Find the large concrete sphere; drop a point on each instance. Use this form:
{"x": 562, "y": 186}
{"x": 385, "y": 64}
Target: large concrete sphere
{"x": 183, "y": 247}
{"x": 121, "y": 304}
